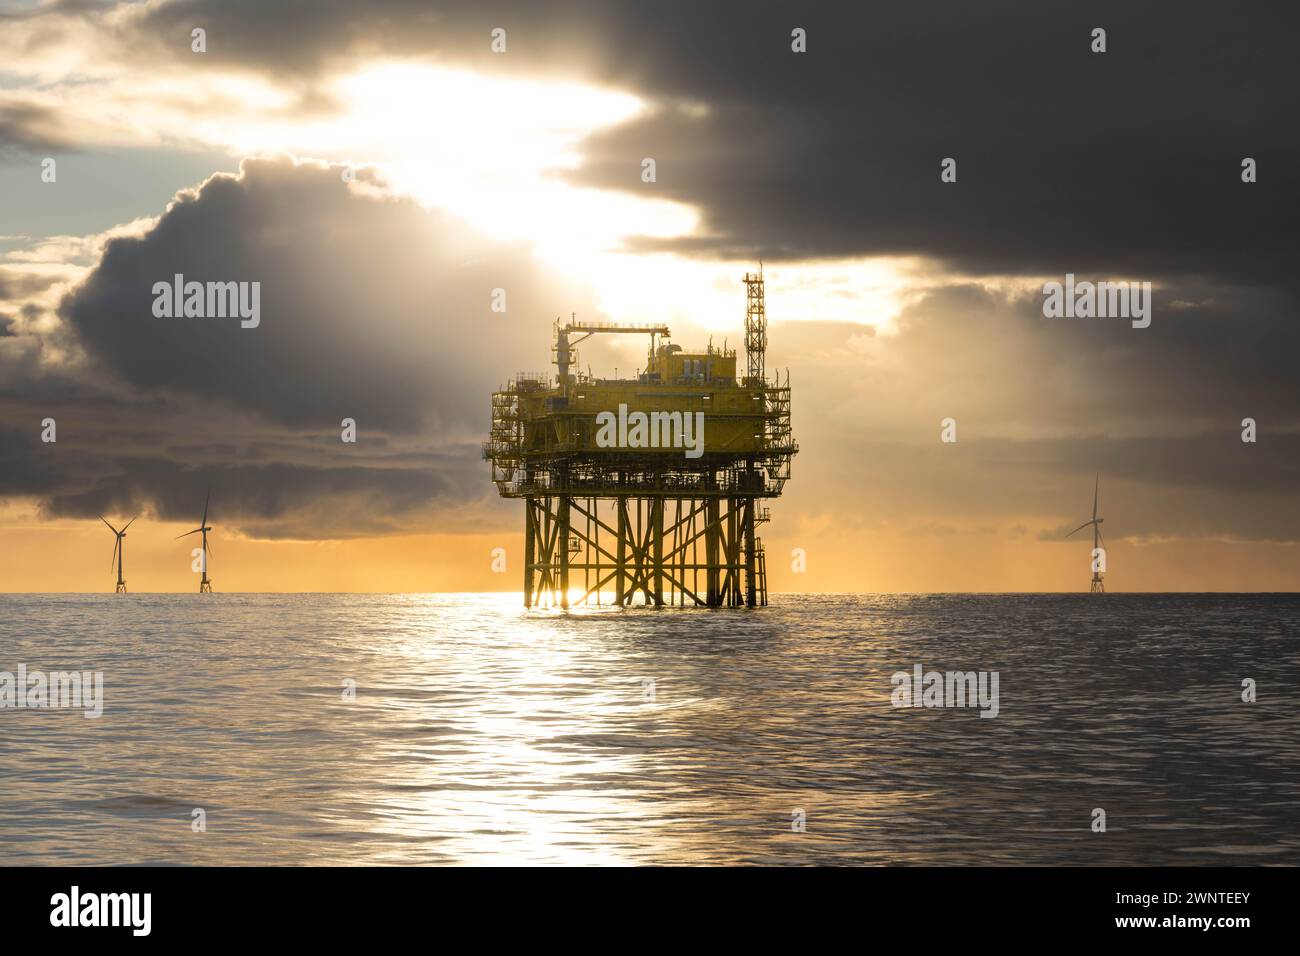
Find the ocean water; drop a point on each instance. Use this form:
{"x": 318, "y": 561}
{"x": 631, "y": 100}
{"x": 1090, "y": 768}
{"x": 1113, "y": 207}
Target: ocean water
{"x": 484, "y": 734}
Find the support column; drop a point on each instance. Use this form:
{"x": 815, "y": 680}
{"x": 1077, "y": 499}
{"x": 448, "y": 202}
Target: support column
{"x": 712, "y": 534}
{"x": 657, "y": 529}
{"x": 562, "y": 546}
{"x": 546, "y": 554}
{"x": 749, "y": 553}
{"x": 732, "y": 579}
{"x": 620, "y": 573}
{"x": 530, "y": 548}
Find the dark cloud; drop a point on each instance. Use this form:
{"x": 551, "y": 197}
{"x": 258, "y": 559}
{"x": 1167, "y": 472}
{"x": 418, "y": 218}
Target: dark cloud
{"x": 26, "y": 128}
{"x": 273, "y": 499}
{"x": 160, "y": 457}
{"x": 371, "y": 308}
{"x": 1042, "y": 405}
{"x": 1126, "y": 162}
{"x": 27, "y": 466}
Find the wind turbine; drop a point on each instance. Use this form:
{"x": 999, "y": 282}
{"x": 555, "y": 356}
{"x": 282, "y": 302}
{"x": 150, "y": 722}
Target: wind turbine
{"x": 205, "y": 586}
{"x": 117, "y": 551}
{"x": 1097, "y": 586}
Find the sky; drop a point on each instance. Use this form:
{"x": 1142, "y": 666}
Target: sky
{"x": 380, "y": 169}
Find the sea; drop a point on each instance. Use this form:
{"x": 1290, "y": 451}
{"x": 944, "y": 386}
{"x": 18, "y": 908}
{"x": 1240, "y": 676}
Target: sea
{"x": 462, "y": 729}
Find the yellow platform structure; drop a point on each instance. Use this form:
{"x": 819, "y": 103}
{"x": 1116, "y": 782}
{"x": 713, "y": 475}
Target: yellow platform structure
{"x": 647, "y": 485}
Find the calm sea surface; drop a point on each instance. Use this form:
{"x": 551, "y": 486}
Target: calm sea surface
{"x": 481, "y": 733}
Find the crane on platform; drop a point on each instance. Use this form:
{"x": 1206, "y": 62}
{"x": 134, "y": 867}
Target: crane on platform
{"x": 566, "y": 355}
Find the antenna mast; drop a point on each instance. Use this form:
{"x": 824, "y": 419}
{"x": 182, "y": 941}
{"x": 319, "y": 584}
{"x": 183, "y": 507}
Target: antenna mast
{"x": 755, "y": 327}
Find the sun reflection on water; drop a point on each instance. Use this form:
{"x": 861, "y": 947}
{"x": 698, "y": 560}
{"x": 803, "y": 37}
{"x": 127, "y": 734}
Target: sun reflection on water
{"x": 482, "y": 732}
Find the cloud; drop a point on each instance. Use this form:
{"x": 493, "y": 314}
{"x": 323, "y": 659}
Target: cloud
{"x": 1041, "y": 406}
{"x": 1121, "y": 165}
{"x": 20, "y": 285}
{"x": 376, "y": 309}
{"x": 27, "y": 128}
{"x": 372, "y": 308}
{"x": 1126, "y": 162}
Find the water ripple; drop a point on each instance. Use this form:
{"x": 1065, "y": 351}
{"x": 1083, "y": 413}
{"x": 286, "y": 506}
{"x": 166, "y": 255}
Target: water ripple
{"x": 481, "y": 733}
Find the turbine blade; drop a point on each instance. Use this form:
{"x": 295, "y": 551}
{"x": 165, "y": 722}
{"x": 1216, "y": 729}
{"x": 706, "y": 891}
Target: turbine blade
{"x": 204, "y": 522}
{"x": 1080, "y": 528}
{"x": 187, "y": 534}
{"x": 208, "y": 546}
{"x": 113, "y": 558}
{"x": 110, "y": 527}
{"x": 128, "y": 524}
{"x": 1095, "y": 488}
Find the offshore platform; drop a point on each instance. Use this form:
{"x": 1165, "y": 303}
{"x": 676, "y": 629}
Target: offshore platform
{"x": 656, "y": 509}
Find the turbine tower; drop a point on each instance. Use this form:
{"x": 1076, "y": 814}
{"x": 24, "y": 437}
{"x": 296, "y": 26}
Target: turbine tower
{"x": 117, "y": 552}
{"x": 205, "y": 586}
{"x": 1097, "y": 586}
